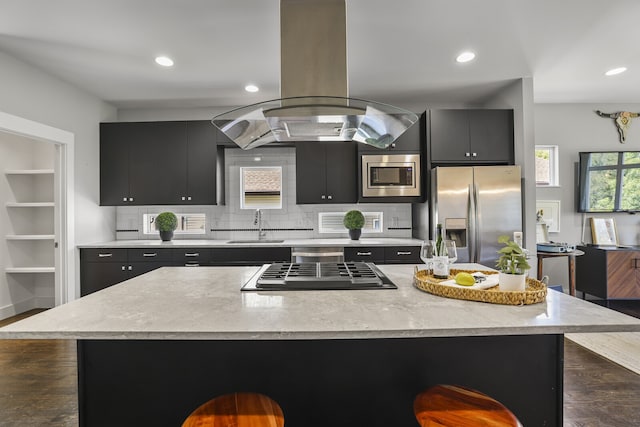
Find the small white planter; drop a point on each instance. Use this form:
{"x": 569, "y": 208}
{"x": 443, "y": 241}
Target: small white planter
{"x": 512, "y": 282}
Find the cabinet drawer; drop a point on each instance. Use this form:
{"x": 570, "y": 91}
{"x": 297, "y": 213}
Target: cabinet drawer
{"x": 402, "y": 255}
{"x": 249, "y": 256}
{"x": 149, "y": 255}
{"x": 186, "y": 256}
{"x": 366, "y": 254}
{"x": 103, "y": 255}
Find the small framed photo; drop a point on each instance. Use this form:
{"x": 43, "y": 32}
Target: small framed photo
{"x": 603, "y": 231}
{"x": 549, "y": 210}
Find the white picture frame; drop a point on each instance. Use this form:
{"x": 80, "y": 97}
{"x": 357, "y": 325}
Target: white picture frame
{"x": 550, "y": 214}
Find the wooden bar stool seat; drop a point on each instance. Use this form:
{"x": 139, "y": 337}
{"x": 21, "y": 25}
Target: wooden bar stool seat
{"x": 237, "y": 410}
{"x": 456, "y": 406}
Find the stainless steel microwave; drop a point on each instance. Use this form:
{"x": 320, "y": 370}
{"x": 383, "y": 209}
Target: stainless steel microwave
{"x": 391, "y": 175}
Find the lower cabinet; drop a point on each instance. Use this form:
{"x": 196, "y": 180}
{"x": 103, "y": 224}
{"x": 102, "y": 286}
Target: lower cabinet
{"x": 384, "y": 254}
{"x": 101, "y": 268}
{"x": 249, "y": 255}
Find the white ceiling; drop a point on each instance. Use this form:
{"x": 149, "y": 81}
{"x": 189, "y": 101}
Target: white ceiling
{"x": 398, "y": 50}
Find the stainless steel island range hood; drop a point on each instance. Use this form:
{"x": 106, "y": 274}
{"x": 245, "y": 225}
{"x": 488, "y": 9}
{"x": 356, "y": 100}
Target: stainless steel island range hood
{"x": 313, "y": 85}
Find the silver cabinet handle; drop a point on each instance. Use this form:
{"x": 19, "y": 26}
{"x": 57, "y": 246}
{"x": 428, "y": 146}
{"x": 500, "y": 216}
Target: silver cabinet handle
{"x": 192, "y": 265}
{"x": 323, "y": 197}
{"x": 123, "y": 268}
{"x": 104, "y": 255}
{"x": 192, "y": 254}
{"x": 317, "y": 254}
{"x": 150, "y": 255}
{"x": 188, "y": 197}
{"x": 184, "y": 198}
{"x": 403, "y": 253}
{"x": 131, "y": 199}
{"x": 130, "y": 268}
{"x": 124, "y": 199}
{"x": 363, "y": 253}
{"x": 330, "y": 197}
{"x": 474, "y": 154}
{"x": 467, "y": 154}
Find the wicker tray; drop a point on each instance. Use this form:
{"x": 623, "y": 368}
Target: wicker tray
{"x": 534, "y": 292}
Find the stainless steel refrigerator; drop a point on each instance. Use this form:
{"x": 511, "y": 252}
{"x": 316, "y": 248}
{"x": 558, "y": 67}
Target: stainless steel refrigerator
{"x": 476, "y": 205}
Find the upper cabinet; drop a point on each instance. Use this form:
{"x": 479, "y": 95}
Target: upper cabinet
{"x": 158, "y": 163}
{"x": 326, "y": 172}
{"x": 471, "y": 136}
{"x": 410, "y": 141}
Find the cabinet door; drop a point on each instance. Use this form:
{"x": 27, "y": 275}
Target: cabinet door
{"x": 623, "y": 274}
{"x": 311, "y": 181}
{"x": 201, "y": 163}
{"x": 341, "y": 172}
{"x": 158, "y": 159}
{"x": 449, "y": 130}
{"x": 95, "y": 276}
{"x": 410, "y": 141}
{"x": 491, "y": 135}
{"x": 114, "y": 163}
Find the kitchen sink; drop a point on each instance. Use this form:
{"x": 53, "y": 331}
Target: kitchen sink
{"x": 255, "y": 241}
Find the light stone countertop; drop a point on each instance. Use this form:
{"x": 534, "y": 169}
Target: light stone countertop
{"x": 182, "y": 243}
{"x": 206, "y": 303}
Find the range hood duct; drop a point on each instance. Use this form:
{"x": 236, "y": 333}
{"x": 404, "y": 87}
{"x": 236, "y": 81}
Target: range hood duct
{"x": 314, "y": 87}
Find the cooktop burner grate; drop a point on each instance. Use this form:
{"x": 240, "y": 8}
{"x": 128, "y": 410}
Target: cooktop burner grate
{"x": 319, "y": 276}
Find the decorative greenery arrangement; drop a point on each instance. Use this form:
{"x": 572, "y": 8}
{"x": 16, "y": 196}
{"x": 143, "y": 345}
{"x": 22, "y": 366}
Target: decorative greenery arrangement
{"x": 353, "y": 220}
{"x": 513, "y": 259}
{"x": 166, "y": 221}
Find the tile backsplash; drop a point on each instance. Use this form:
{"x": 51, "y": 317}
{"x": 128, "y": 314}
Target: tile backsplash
{"x": 291, "y": 222}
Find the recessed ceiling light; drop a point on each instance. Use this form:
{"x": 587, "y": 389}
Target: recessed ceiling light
{"x": 251, "y": 88}
{"x": 466, "y": 57}
{"x": 165, "y": 61}
{"x": 614, "y": 71}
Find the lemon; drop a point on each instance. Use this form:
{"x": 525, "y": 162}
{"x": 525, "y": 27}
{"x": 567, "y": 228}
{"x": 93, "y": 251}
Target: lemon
{"x": 465, "y": 279}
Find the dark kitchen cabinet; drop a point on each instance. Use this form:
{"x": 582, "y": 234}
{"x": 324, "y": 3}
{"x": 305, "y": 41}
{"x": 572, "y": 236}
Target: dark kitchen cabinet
{"x": 471, "y": 136}
{"x": 249, "y": 255}
{"x": 384, "y": 254}
{"x": 326, "y": 172}
{"x": 101, "y": 268}
{"x": 157, "y": 163}
{"x": 410, "y": 141}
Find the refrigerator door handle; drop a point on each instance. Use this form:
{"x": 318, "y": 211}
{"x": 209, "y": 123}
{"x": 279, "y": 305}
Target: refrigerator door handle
{"x": 471, "y": 218}
{"x": 477, "y": 231}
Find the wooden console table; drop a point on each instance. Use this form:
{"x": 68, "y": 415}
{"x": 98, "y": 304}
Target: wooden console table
{"x": 610, "y": 272}
{"x": 571, "y": 257}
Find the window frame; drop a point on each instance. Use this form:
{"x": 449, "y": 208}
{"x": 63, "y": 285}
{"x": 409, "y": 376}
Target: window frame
{"x": 554, "y": 168}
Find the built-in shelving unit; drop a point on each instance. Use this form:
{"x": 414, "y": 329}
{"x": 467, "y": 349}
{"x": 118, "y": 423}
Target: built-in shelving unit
{"x": 32, "y": 227}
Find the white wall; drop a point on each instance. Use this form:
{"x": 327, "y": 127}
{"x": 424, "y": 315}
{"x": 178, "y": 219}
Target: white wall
{"x": 28, "y": 92}
{"x": 574, "y": 128}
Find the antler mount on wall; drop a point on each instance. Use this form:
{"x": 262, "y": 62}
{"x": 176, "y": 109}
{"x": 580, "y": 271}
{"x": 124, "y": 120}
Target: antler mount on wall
{"x": 622, "y": 121}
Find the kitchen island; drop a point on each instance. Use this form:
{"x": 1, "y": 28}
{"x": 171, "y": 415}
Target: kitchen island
{"x": 153, "y": 348}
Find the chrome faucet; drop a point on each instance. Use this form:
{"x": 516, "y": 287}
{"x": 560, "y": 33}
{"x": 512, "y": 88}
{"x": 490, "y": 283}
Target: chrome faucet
{"x": 257, "y": 220}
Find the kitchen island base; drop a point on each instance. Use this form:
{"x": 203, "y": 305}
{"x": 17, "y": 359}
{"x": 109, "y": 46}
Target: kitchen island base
{"x": 339, "y": 382}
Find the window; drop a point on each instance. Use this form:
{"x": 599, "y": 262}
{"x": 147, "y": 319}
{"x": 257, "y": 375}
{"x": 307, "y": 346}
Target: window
{"x": 187, "y": 223}
{"x": 547, "y": 166}
{"x": 261, "y": 187}
{"x": 331, "y": 222}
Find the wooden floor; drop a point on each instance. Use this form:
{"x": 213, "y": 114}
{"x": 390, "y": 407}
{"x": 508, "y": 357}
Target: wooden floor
{"x": 38, "y": 386}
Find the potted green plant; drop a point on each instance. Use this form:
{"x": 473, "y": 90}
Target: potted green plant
{"x": 354, "y": 221}
{"x": 513, "y": 265}
{"x": 166, "y": 222}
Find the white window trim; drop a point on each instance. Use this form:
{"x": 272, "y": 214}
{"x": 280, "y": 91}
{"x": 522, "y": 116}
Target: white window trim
{"x": 554, "y": 169}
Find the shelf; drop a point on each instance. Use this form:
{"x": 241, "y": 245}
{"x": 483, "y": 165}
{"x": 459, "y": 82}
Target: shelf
{"x": 30, "y": 205}
{"x": 30, "y": 237}
{"x": 30, "y": 270}
{"x": 29, "y": 172}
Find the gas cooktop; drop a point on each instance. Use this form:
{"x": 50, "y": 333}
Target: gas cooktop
{"x": 284, "y": 276}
